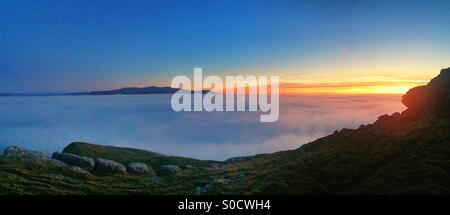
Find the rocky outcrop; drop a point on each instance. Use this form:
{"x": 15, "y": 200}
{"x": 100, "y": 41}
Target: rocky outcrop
{"x": 140, "y": 168}
{"x": 170, "y": 170}
{"x": 109, "y": 166}
{"x": 15, "y": 151}
{"x": 76, "y": 160}
{"x": 433, "y": 98}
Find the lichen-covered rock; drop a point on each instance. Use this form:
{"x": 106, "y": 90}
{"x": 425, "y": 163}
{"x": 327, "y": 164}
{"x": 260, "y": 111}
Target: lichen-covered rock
{"x": 57, "y": 163}
{"x": 19, "y": 152}
{"x": 140, "y": 168}
{"x": 109, "y": 166}
{"x": 80, "y": 171}
{"x": 85, "y": 163}
{"x": 170, "y": 170}
{"x": 14, "y": 151}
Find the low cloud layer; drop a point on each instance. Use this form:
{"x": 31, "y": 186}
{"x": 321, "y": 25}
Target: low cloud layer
{"x": 147, "y": 121}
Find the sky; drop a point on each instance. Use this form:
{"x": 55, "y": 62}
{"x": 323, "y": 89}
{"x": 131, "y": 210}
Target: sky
{"x": 321, "y": 46}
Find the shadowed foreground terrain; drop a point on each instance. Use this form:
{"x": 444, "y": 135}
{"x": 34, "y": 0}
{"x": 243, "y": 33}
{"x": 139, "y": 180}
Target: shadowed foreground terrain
{"x": 404, "y": 153}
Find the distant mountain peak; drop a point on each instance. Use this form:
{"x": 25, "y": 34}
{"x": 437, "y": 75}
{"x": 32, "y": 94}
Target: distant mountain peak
{"x": 121, "y": 91}
{"x": 135, "y": 90}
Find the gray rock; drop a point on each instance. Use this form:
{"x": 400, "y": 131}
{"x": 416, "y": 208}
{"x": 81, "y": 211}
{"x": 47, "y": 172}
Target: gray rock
{"x": 140, "y": 168}
{"x": 55, "y": 155}
{"x": 77, "y": 160}
{"x": 42, "y": 157}
{"x": 170, "y": 170}
{"x": 55, "y": 160}
{"x": 80, "y": 171}
{"x": 57, "y": 163}
{"x": 109, "y": 166}
{"x": 14, "y": 151}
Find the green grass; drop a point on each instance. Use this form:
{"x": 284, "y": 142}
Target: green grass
{"x": 411, "y": 157}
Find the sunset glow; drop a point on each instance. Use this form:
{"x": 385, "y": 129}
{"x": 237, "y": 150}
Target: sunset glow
{"x": 350, "y": 88}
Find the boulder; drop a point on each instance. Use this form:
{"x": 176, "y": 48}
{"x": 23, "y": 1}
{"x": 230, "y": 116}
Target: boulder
{"x": 55, "y": 155}
{"x": 77, "y": 160}
{"x": 80, "y": 171}
{"x": 170, "y": 170}
{"x": 57, "y": 163}
{"x": 15, "y": 151}
{"x": 140, "y": 168}
{"x": 109, "y": 166}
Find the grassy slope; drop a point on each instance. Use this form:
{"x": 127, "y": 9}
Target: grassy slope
{"x": 407, "y": 158}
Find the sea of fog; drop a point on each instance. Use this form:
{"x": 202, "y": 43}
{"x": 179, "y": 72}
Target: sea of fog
{"x": 147, "y": 121}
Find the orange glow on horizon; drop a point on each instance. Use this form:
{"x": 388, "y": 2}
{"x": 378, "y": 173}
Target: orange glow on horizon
{"x": 340, "y": 88}
{"x": 350, "y": 88}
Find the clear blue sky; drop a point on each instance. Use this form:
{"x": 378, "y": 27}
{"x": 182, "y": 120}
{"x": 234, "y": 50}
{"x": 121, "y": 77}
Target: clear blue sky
{"x": 83, "y": 45}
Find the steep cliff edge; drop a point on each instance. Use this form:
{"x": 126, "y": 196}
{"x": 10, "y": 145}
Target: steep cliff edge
{"x": 431, "y": 99}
